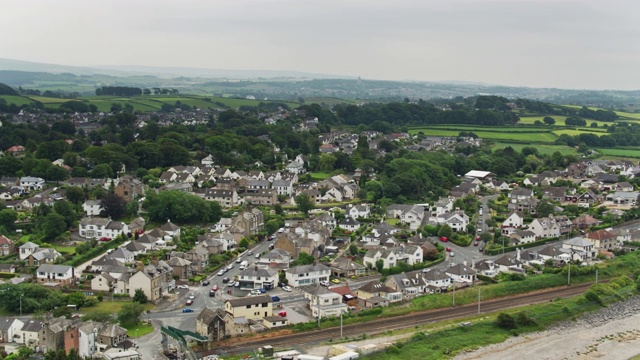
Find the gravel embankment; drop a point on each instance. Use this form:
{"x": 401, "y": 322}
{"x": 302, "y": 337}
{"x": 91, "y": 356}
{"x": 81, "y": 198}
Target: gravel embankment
{"x": 610, "y": 333}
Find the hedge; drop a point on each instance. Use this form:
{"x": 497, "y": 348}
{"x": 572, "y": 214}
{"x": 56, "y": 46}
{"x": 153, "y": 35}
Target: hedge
{"x": 98, "y": 250}
{"x": 521, "y": 246}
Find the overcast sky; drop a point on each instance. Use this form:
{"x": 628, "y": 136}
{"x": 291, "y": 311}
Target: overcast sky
{"x": 590, "y": 44}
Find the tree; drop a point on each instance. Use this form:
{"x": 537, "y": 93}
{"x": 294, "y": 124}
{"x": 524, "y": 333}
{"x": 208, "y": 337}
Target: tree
{"x": 53, "y": 226}
{"x": 445, "y": 231}
{"x": 129, "y": 314}
{"x": 304, "y": 203}
{"x": 353, "y": 249}
{"x": 8, "y": 219}
{"x": 140, "y": 297}
{"x": 181, "y": 207}
{"x": 379, "y": 265}
{"x": 303, "y": 259}
{"x": 244, "y": 243}
{"x": 549, "y": 120}
{"x": 544, "y": 208}
{"x": 75, "y": 195}
{"x": 113, "y": 206}
{"x": 102, "y": 171}
{"x": 56, "y": 173}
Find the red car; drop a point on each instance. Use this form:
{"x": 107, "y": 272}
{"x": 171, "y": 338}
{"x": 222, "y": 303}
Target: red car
{"x": 448, "y": 249}
{"x": 282, "y": 313}
{"x": 475, "y": 243}
{"x": 105, "y": 239}
{"x": 189, "y": 302}
{"x": 444, "y": 239}
{"x": 214, "y": 288}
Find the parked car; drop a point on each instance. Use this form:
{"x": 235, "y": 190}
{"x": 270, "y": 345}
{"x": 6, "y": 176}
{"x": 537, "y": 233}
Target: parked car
{"x": 187, "y": 310}
{"x": 475, "y": 243}
{"x": 444, "y": 239}
{"x": 282, "y": 313}
{"x": 182, "y": 286}
{"x": 275, "y": 298}
{"x": 335, "y": 281}
{"x": 287, "y": 288}
{"x": 448, "y": 249}
{"x": 255, "y": 292}
{"x": 105, "y": 239}
{"x": 221, "y": 272}
{"x": 262, "y": 290}
{"x": 238, "y": 260}
{"x": 230, "y": 266}
{"x": 231, "y": 283}
{"x": 325, "y": 283}
{"x": 205, "y": 282}
{"x": 192, "y": 296}
{"x": 189, "y": 302}
{"x": 249, "y": 252}
{"x": 452, "y": 254}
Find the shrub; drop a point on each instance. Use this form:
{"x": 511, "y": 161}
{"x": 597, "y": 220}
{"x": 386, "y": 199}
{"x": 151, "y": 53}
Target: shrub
{"x": 506, "y": 321}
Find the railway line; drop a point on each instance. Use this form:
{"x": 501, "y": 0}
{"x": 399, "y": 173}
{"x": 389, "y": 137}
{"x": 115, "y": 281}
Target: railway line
{"x": 402, "y": 321}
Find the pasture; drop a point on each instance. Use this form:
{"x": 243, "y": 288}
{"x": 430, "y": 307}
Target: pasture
{"x": 543, "y": 149}
{"x": 498, "y": 133}
{"x": 574, "y": 132}
{"x": 622, "y": 153}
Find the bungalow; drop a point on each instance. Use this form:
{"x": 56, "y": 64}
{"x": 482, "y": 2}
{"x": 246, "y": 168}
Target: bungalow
{"x": 60, "y": 274}
{"x": 461, "y": 273}
{"x": 345, "y": 267}
{"x": 349, "y": 224}
{"x": 409, "y": 285}
{"x": 376, "y": 289}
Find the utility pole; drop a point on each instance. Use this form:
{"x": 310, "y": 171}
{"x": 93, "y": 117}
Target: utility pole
{"x": 569, "y": 275}
{"x": 340, "y": 325}
{"x": 454, "y": 294}
{"x": 318, "y": 301}
{"x": 478, "y": 301}
{"x": 596, "y": 276}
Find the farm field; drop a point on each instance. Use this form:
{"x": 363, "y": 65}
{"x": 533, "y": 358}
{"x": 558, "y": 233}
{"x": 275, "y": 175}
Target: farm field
{"x": 530, "y": 120}
{"x": 572, "y": 132}
{"x": 504, "y": 134}
{"x": 543, "y": 149}
{"x": 623, "y": 153}
{"x": 143, "y": 103}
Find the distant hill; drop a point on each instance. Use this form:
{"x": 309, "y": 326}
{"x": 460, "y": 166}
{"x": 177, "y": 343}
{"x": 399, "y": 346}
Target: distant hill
{"x": 7, "y": 90}
{"x": 132, "y": 70}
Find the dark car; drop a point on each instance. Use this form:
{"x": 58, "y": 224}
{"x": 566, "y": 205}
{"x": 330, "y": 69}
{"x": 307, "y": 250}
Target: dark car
{"x": 187, "y": 310}
{"x": 225, "y": 280}
{"x": 205, "y": 282}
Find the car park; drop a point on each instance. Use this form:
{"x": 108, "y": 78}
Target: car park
{"x": 286, "y": 288}
{"x": 187, "y": 310}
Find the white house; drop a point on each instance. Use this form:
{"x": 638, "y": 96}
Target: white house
{"x": 516, "y": 220}
{"x": 409, "y": 254}
{"x": 257, "y": 278}
{"x": 349, "y": 223}
{"x": 122, "y": 255}
{"x": 325, "y": 303}
{"x": 61, "y": 274}
{"x": 461, "y": 273}
{"x": 307, "y": 274}
{"x": 359, "y": 211}
{"x": 92, "y": 207}
{"x": 580, "y": 248}
{"x": 27, "y": 249}
{"x": 31, "y": 183}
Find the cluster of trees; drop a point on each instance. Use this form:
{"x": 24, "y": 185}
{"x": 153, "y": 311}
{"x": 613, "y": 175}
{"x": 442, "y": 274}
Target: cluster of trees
{"x": 575, "y": 121}
{"x": 618, "y": 135}
{"x": 181, "y": 207}
{"x": 600, "y": 114}
{"x": 161, "y": 91}
{"x": 118, "y": 91}
{"x": 379, "y": 116}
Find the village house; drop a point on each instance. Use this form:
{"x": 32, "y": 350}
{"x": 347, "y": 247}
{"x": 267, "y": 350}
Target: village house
{"x": 250, "y": 307}
{"x": 62, "y": 275}
{"x": 307, "y": 274}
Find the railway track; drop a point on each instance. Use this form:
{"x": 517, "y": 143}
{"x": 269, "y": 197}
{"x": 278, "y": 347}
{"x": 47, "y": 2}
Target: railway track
{"x": 403, "y": 321}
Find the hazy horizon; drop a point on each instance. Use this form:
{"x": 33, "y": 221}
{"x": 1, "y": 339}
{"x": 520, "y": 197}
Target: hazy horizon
{"x": 574, "y": 44}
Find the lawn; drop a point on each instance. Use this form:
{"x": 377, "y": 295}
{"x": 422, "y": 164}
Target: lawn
{"x": 139, "y": 330}
{"x": 320, "y": 175}
{"x": 112, "y": 307}
{"x": 65, "y": 249}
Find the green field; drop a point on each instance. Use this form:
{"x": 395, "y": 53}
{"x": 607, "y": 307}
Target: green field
{"x": 623, "y": 153}
{"x": 504, "y": 133}
{"x": 530, "y": 120}
{"x": 574, "y": 132}
{"x": 543, "y": 149}
{"x": 145, "y": 103}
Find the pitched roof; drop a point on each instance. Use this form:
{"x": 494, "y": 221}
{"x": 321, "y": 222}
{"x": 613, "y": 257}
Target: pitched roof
{"x": 250, "y": 300}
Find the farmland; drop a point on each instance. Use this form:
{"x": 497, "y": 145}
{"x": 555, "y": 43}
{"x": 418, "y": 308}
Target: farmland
{"x": 143, "y": 103}
{"x": 544, "y": 149}
{"x": 505, "y": 133}
{"x": 623, "y": 153}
